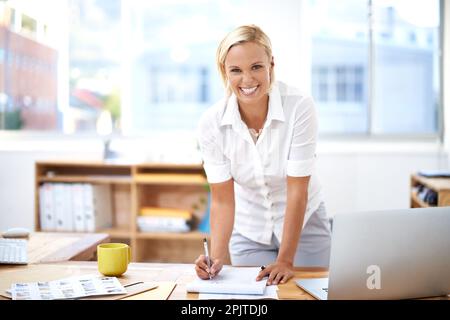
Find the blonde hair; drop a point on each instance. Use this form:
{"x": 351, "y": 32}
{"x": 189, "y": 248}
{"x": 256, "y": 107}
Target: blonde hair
{"x": 242, "y": 34}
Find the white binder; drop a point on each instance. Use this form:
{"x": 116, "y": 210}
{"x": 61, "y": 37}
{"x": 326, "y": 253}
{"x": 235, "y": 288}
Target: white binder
{"x": 97, "y": 207}
{"x": 58, "y": 206}
{"x": 78, "y": 207}
{"x": 68, "y": 220}
{"x": 46, "y": 207}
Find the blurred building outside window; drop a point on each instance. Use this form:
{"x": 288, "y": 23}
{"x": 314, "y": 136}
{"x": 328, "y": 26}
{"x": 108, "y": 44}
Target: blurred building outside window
{"x": 375, "y": 65}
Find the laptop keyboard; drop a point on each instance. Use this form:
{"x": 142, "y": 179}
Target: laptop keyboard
{"x": 13, "y": 251}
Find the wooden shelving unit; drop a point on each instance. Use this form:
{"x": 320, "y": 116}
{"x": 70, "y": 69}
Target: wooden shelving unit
{"x": 170, "y": 179}
{"x": 439, "y": 185}
{"x": 117, "y": 233}
{"x": 132, "y": 187}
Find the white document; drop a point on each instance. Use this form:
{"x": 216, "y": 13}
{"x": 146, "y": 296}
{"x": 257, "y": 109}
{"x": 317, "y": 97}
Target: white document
{"x": 88, "y": 200}
{"x": 58, "y": 203}
{"x": 42, "y": 210}
{"x": 231, "y": 280}
{"x": 67, "y": 288}
{"x": 269, "y": 293}
{"x": 102, "y": 206}
{"x": 78, "y": 206}
{"x": 97, "y": 207}
{"x": 68, "y": 218}
{"x": 46, "y": 206}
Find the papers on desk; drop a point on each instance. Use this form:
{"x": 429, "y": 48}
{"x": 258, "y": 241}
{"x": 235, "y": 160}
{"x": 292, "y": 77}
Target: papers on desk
{"x": 269, "y": 293}
{"x": 231, "y": 280}
{"x": 67, "y": 288}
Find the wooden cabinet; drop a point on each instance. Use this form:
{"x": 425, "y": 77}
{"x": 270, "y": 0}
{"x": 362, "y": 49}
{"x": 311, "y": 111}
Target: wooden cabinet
{"x": 439, "y": 186}
{"x": 134, "y": 186}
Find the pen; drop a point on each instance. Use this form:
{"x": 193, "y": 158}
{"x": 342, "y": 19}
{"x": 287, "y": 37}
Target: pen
{"x": 208, "y": 261}
{"x": 262, "y": 269}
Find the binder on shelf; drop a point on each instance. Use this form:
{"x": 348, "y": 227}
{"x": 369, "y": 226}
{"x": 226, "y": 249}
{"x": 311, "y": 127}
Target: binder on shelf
{"x": 97, "y": 207}
{"x": 77, "y": 207}
{"x": 62, "y": 206}
{"x": 58, "y": 205}
{"x": 47, "y": 217}
{"x": 68, "y": 218}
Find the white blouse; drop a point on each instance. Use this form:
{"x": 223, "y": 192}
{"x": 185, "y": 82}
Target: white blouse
{"x": 285, "y": 147}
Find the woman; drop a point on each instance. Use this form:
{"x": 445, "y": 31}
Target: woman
{"x": 258, "y": 150}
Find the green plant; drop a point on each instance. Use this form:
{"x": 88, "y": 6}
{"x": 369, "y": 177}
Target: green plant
{"x": 11, "y": 120}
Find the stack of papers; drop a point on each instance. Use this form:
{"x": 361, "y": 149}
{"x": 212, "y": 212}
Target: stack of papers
{"x": 154, "y": 219}
{"x": 233, "y": 283}
{"x": 269, "y": 293}
{"x": 67, "y": 288}
{"x": 163, "y": 224}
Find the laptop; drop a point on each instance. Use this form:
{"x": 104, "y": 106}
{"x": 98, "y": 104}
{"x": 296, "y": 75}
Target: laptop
{"x": 394, "y": 254}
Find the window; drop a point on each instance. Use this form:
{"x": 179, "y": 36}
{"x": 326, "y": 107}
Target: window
{"x": 376, "y": 76}
{"x": 320, "y": 76}
{"x": 405, "y": 66}
{"x": 171, "y": 72}
{"x": 339, "y": 42}
{"x": 29, "y": 25}
{"x": 345, "y": 83}
{"x": 95, "y": 57}
{"x": 28, "y": 74}
{"x": 150, "y": 65}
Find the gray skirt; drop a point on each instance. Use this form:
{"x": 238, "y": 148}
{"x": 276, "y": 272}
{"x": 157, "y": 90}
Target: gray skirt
{"x": 313, "y": 249}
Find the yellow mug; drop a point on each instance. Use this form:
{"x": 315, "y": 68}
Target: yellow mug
{"x": 113, "y": 258}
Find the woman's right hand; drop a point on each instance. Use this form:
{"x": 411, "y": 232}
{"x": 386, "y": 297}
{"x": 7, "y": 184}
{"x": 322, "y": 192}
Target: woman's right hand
{"x": 201, "y": 267}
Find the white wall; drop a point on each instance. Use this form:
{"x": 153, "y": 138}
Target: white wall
{"x": 446, "y": 73}
{"x": 373, "y": 176}
{"x": 355, "y": 177}
{"x": 17, "y": 183}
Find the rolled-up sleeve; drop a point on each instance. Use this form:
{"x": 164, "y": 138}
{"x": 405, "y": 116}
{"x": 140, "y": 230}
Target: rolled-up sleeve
{"x": 302, "y": 152}
{"x": 217, "y": 166}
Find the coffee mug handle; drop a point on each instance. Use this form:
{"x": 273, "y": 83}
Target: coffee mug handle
{"x": 129, "y": 254}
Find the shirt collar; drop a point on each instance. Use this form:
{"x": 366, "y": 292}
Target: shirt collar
{"x": 232, "y": 117}
{"x": 275, "y": 105}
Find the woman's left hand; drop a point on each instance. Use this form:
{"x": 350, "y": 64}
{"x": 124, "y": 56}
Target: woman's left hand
{"x": 278, "y": 272}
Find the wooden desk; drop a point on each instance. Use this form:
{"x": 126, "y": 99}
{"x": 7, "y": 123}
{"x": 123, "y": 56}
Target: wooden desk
{"x": 181, "y": 274}
{"x": 58, "y": 246}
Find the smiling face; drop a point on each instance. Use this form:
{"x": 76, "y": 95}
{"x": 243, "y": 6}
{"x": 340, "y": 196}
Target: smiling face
{"x": 248, "y": 67}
